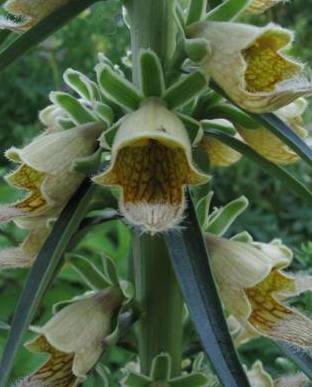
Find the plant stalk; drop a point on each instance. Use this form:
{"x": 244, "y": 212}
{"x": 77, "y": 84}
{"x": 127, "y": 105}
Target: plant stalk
{"x": 157, "y": 291}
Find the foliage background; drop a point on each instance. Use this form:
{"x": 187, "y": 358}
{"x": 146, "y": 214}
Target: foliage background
{"x": 273, "y": 211}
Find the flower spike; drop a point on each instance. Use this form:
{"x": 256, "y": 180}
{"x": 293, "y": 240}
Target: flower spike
{"x": 248, "y": 63}
{"x": 152, "y": 163}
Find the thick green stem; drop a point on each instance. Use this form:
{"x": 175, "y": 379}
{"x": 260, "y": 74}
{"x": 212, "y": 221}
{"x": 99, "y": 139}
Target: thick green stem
{"x": 160, "y": 328}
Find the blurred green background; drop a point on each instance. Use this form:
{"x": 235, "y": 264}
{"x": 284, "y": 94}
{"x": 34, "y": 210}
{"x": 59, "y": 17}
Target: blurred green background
{"x": 273, "y": 212}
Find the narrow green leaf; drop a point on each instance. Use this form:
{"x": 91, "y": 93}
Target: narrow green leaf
{"x": 42, "y": 273}
{"x": 42, "y": 30}
{"x": 193, "y": 128}
{"x": 3, "y": 36}
{"x": 276, "y": 171}
{"x": 212, "y": 124}
{"x": 152, "y": 76}
{"x": 185, "y": 89}
{"x": 300, "y": 357}
{"x": 90, "y": 274}
{"x": 191, "y": 264}
{"x": 81, "y": 84}
{"x": 228, "y": 10}
{"x": 196, "y": 11}
{"x": 233, "y": 114}
{"x": 117, "y": 89}
{"x": 192, "y": 380}
{"x": 104, "y": 112}
{"x": 79, "y": 113}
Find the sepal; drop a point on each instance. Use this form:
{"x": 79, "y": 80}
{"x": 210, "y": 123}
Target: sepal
{"x": 87, "y": 165}
{"x": 117, "y": 89}
{"x": 185, "y": 89}
{"x": 196, "y": 49}
{"x": 152, "y": 76}
{"x": 219, "y": 221}
{"x": 76, "y": 110}
{"x": 196, "y": 11}
{"x": 108, "y": 137}
{"x": 82, "y": 85}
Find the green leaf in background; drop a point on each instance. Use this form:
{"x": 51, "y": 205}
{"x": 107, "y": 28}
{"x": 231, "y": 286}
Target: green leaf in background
{"x": 191, "y": 264}
{"x": 290, "y": 181}
{"x": 42, "y": 273}
{"x": 42, "y": 30}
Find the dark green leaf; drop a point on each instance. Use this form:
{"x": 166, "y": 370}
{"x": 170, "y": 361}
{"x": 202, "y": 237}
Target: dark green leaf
{"x": 191, "y": 264}
{"x": 42, "y": 30}
{"x": 290, "y": 181}
{"x": 196, "y": 11}
{"x": 228, "y": 10}
{"x": 299, "y": 356}
{"x": 42, "y": 273}
{"x": 152, "y": 76}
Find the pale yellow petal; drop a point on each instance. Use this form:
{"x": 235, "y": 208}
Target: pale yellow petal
{"x": 258, "y": 377}
{"x": 259, "y": 6}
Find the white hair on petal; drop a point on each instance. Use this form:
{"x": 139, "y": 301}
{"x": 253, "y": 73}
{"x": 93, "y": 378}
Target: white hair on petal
{"x": 8, "y": 213}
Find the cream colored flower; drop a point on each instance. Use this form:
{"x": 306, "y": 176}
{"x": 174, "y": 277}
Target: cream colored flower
{"x": 270, "y": 146}
{"x": 45, "y": 170}
{"x": 252, "y": 287}
{"x": 152, "y": 163}
{"x": 258, "y": 377}
{"x": 249, "y": 63}
{"x": 259, "y": 6}
{"x": 75, "y": 339}
{"x": 31, "y": 12}
{"x": 219, "y": 154}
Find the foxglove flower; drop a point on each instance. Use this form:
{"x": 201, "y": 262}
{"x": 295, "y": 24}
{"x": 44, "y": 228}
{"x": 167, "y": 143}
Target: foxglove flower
{"x": 249, "y": 63}
{"x": 152, "y": 163}
{"x": 259, "y": 6}
{"x": 75, "y": 339}
{"x": 30, "y": 11}
{"x": 45, "y": 170}
{"x": 270, "y": 146}
{"x": 253, "y": 286}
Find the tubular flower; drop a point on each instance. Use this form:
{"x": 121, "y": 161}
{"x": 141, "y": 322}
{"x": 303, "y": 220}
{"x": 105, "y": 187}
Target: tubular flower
{"x": 45, "y": 171}
{"x": 252, "y": 286}
{"x": 258, "y": 377}
{"x": 270, "y": 146}
{"x": 75, "y": 338}
{"x": 30, "y": 11}
{"x": 249, "y": 64}
{"x": 259, "y": 6}
{"x": 220, "y": 155}
{"x": 152, "y": 163}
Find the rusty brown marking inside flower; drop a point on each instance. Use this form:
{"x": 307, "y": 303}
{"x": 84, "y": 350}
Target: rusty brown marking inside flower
{"x": 57, "y": 371}
{"x": 151, "y": 172}
{"x": 265, "y": 66}
{"x": 267, "y": 311}
{"x": 27, "y": 178}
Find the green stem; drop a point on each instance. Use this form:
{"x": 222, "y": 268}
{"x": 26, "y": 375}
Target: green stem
{"x": 160, "y": 328}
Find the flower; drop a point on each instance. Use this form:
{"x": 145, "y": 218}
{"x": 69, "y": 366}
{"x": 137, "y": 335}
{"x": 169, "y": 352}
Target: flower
{"x": 259, "y": 6}
{"x": 258, "y": 377}
{"x": 45, "y": 170}
{"x": 270, "y": 146}
{"x": 253, "y": 286}
{"x": 31, "y": 12}
{"x": 220, "y": 155}
{"x": 249, "y": 64}
{"x": 75, "y": 339}
{"x": 152, "y": 163}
